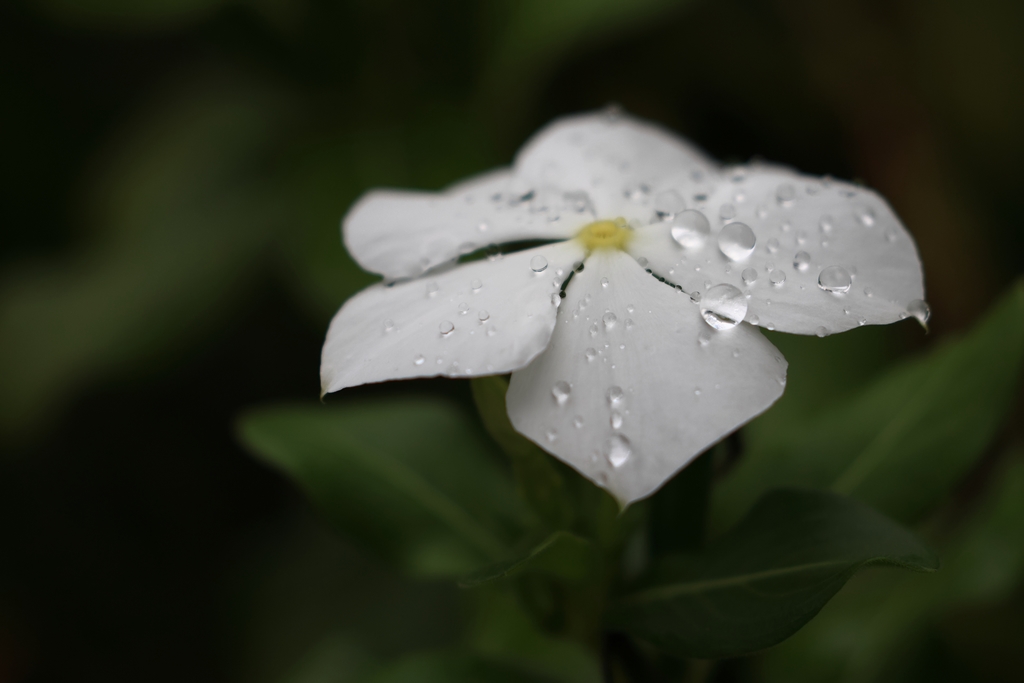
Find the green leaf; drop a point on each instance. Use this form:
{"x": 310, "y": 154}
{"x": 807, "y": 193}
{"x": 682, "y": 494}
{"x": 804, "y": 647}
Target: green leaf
{"x": 927, "y": 421}
{"x": 411, "y": 478}
{"x": 761, "y": 582}
{"x": 871, "y": 625}
{"x": 562, "y": 555}
{"x": 537, "y": 474}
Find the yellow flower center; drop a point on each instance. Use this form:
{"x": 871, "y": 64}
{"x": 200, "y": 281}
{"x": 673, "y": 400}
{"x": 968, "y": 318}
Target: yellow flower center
{"x": 605, "y": 235}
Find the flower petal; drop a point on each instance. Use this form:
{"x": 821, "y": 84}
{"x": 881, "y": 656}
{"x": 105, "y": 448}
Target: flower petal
{"x": 480, "y": 318}
{"x": 402, "y": 234}
{"x": 828, "y": 256}
{"x": 634, "y": 384}
{"x": 623, "y": 163}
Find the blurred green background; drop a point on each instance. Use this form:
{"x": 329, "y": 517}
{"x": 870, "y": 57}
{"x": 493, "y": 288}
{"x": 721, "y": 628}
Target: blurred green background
{"x": 174, "y": 174}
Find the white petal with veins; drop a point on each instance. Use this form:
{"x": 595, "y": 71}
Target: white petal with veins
{"x": 650, "y": 384}
{"x": 811, "y": 236}
{"x": 479, "y": 318}
{"x": 623, "y": 163}
{"x": 400, "y": 234}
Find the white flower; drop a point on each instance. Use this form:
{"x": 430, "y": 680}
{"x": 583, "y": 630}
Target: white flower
{"x": 628, "y": 379}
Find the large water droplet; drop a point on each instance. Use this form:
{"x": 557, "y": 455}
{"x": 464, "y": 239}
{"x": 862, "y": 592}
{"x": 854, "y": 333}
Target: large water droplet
{"x": 617, "y": 449}
{"x": 668, "y": 203}
{"x": 690, "y": 229}
{"x": 538, "y": 263}
{"x": 609, "y": 320}
{"x": 723, "y": 307}
{"x": 802, "y": 261}
{"x": 737, "y": 241}
{"x": 749, "y": 276}
{"x": 561, "y": 392}
{"x": 615, "y": 396}
{"x": 920, "y": 310}
{"x": 835, "y": 279}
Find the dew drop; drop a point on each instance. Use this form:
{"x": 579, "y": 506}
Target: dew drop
{"x": 642, "y": 262}
{"x": 695, "y": 296}
{"x": 727, "y": 212}
{"x": 668, "y": 203}
{"x": 476, "y": 284}
{"x": 590, "y": 354}
{"x": 835, "y": 279}
{"x": 446, "y": 328}
{"x": 868, "y": 292}
{"x": 483, "y": 315}
{"x": 609, "y": 320}
{"x": 825, "y": 224}
{"x": 785, "y": 194}
{"x": 690, "y": 229}
{"x": 754, "y": 320}
{"x": 616, "y": 420}
{"x": 561, "y": 392}
{"x": 629, "y": 308}
{"x": 920, "y": 310}
{"x": 867, "y": 217}
{"x": 696, "y": 391}
{"x": 749, "y": 276}
{"x": 432, "y": 288}
{"x": 463, "y": 308}
{"x": 389, "y": 325}
{"x": 419, "y": 360}
{"x": 821, "y": 331}
{"x": 538, "y": 264}
{"x": 556, "y": 299}
{"x": 594, "y": 329}
{"x": 604, "y": 282}
{"x": 890, "y": 235}
{"x": 629, "y": 323}
{"x": 577, "y": 421}
{"x": 736, "y": 241}
{"x": 723, "y": 307}
{"x": 615, "y": 396}
{"x": 636, "y": 193}
{"x": 551, "y": 435}
{"x": 777, "y": 277}
{"x": 773, "y": 245}
{"x": 491, "y": 332}
{"x": 617, "y": 450}
{"x": 802, "y": 261}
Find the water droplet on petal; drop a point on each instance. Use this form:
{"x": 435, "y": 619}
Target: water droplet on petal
{"x": 695, "y": 296}
{"x": 821, "y": 331}
{"x": 446, "y": 327}
{"x": 463, "y": 308}
{"x": 777, "y": 277}
{"x": 637, "y": 192}
{"x": 609, "y": 320}
{"x": 594, "y": 329}
{"x": 561, "y": 392}
{"x": 834, "y": 279}
{"x": 749, "y": 276}
{"x": 617, "y": 450}
{"x": 920, "y": 310}
{"x": 825, "y": 224}
{"x": 556, "y": 299}
{"x": 727, "y": 212}
{"x": 696, "y": 391}
{"x": 604, "y": 282}
{"x": 629, "y": 308}
{"x": 551, "y": 435}
{"x": 802, "y": 261}
{"x": 615, "y": 396}
{"x": 616, "y": 420}
{"x": 754, "y": 320}
{"x": 773, "y": 245}
{"x": 737, "y": 241}
{"x": 389, "y": 325}
{"x": 491, "y": 332}
{"x": 476, "y": 284}
{"x": 538, "y": 263}
{"x": 432, "y": 288}
{"x": 723, "y": 307}
{"x": 483, "y": 315}
{"x": 668, "y": 203}
{"x": 577, "y": 421}
{"x": 690, "y": 229}
{"x": 629, "y": 323}
{"x": 785, "y": 194}
{"x": 867, "y": 217}
{"x": 590, "y": 354}
{"x": 419, "y": 360}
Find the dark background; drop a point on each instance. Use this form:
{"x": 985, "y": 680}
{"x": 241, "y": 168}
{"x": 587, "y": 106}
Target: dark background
{"x": 173, "y": 178}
